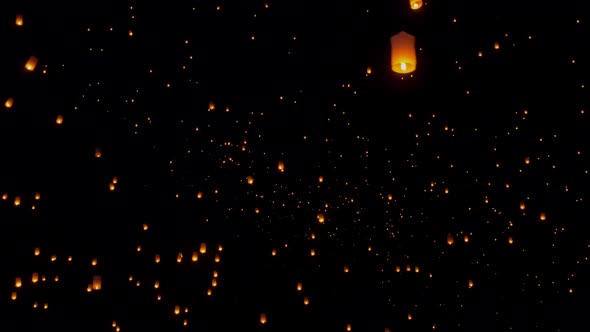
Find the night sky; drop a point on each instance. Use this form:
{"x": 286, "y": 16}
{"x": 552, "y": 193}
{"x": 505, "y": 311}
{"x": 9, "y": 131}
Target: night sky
{"x": 258, "y": 166}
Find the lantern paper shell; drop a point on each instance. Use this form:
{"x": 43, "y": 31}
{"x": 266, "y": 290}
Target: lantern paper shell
{"x": 416, "y": 4}
{"x": 403, "y": 53}
{"x": 31, "y": 64}
{"x": 9, "y": 102}
{"x": 19, "y": 20}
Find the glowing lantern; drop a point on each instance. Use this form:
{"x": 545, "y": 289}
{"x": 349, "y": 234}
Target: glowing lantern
{"x": 203, "y": 248}
{"x": 177, "y": 310}
{"x": 195, "y": 256}
{"x": 211, "y": 106}
{"x": 37, "y": 196}
{"x": 417, "y": 269}
{"x": 17, "y": 201}
{"x": 450, "y": 239}
{"x": 262, "y": 318}
{"x": 199, "y": 195}
{"x": 250, "y": 180}
{"x": 416, "y": 4}
{"x": 466, "y": 238}
{"x": 215, "y": 274}
{"x": 306, "y": 300}
{"x": 348, "y": 327}
{"x": 156, "y": 284}
{"x": 157, "y": 259}
{"x": 312, "y": 252}
{"x": 179, "y": 258}
{"x": 369, "y": 71}
{"x": 403, "y": 53}
{"x": 281, "y": 166}
{"x": 19, "y": 20}
{"x": 522, "y": 206}
{"x": 97, "y": 283}
{"x": 389, "y": 197}
{"x": 398, "y": 269}
{"x": 299, "y": 286}
{"x": 470, "y": 283}
{"x": 59, "y": 119}
{"x": 510, "y": 240}
{"x": 321, "y": 218}
{"x": 97, "y": 153}
{"x": 13, "y": 296}
{"x": 18, "y": 283}
{"x": 543, "y": 217}
{"x": 94, "y": 262}
{"x": 408, "y": 268}
{"x": 273, "y": 252}
{"x": 217, "y": 258}
{"x": 409, "y": 316}
{"x": 31, "y": 63}
{"x": 37, "y": 251}
{"x": 9, "y": 102}
{"x": 220, "y": 248}
{"x": 35, "y": 277}
{"x": 214, "y": 282}
{"x": 321, "y": 179}
{"x": 496, "y": 45}
{"x": 527, "y": 160}
{"x": 346, "y": 269}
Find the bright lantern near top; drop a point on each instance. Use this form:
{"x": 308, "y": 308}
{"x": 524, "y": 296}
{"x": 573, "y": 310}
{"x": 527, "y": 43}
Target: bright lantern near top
{"x": 403, "y": 53}
{"x": 416, "y": 4}
{"x": 19, "y": 20}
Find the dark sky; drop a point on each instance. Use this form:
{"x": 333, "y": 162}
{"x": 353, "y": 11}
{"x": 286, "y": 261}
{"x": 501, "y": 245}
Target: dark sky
{"x": 453, "y": 199}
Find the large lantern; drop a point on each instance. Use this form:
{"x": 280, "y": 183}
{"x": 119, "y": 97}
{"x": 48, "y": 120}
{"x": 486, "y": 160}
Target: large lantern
{"x": 416, "y": 4}
{"x": 403, "y": 53}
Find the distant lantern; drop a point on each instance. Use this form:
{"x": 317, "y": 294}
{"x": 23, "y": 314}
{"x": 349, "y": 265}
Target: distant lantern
{"x": 398, "y": 269}
{"x": 156, "y": 284}
{"x": 31, "y": 63}
{"x": 157, "y": 259}
{"x": 59, "y": 119}
{"x": 199, "y": 195}
{"x": 97, "y": 153}
{"x": 179, "y": 258}
{"x": 543, "y": 217}
{"x": 18, "y": 282}
{"x": 321, "y": 218}
{"x": 13, "y": 297}
{"x": 522, "y": 206}
{"x": 466, "y": 238}
{"x": 409, "y": 316}
{"x": 470, "y": 283}
{"x": 250, "y": 179}
{"x": 281, "y": 166}
{"x": 510, "y": 240}
{"x": 96, "y": 283}
{"x": 306, "y": 300}
{"x": 37, "y": 251}
{"x": 94, "y": 262}
{"x": 416, "y": 4}
{"x": 417, "y": 269}
{"x": 211, "y": 106}
{"x": 37, "y": 196}
{"x": 346, "y": 269}
{"x": 299, "y": 286}
{"x": 348, "y": 327}
{"x": 217, "y": 258}
{"x": 9, "y": 102}
{"x": 19, "y": 20}
{"x": 177, "y": 310}
{"x": 450, "y": 239}
{"x": 262, "y": 318}
{"x": 496, "y": 45}
{"x": 312, "y": 252}
{"x": 195, "y": 256}
{"x": 273, "y": 252}
{"x": 35, "y": 277}
{"x": 203, "y": 248}
{"x": 403, "y": 53}
{"x": 214, "y": 282}
{"x": 17, "y": 201}
{"x": 321, "y": 179}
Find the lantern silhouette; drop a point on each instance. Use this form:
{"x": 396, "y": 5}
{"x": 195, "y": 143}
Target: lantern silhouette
{"x": 9, "y": 102}
{"x": 416, "y": 4}
{"x": 31, "y": 64}
{"x": 403, "y": 53}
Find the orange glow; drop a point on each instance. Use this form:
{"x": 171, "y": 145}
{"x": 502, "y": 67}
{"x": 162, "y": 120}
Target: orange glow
{"x": 9, "y": 102}
{"x": 19, "y": 20}
{"x": 31, "y": 63}
{"x": 416, "y": 4}
{"x": 403, "y": 53}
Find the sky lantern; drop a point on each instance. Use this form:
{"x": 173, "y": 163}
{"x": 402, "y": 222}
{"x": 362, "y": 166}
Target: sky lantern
{"x": 13, "y": 296}
{"x": 18, "y": 282}
{"x": 299, "y": 286}
{"x": 59, "y": 119}
{"x": 263, "y": 318}
{"x": 306, "y": 300}
{"x": 348, "y": 327}
{"x": 31, "y": 63}
{"x": 470, "y": 283}
{"x": 346, "y": 269}
{"x": 19, "y": 20}
{"x": 321, "y": 218}
{"x": 403, "y": 53}
{"x": 450, "y": 239}
{"x": 543, "y": 216}
{"x": 195, "y": 256}
{"x": 9, "y": 102}
{"x": 281, "y": 166}
{"x": 35, "y": 277}
{"x": 203, "y": 248}
{"x": 250, "y": 179}
{"x": 96, "y": 283}
{"x": 97, "y": 153}
{"x": 17, "y": 201}
{"x": 522, "y": 206}
{"x": 416, "y": 4}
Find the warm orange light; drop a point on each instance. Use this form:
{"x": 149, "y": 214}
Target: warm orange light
{"x": 250, "y": 179}
{"x": 19, "y": 20}
{"x": 416, "y": 4}
{"x": 306, "y": 300}
{"x": 466, "y": 238}
{"x": 18, "y": 283}
{"x": 195, "y": 256}
{"x": 346, "y": 269}
{"x": 470, "y": 283}
{"x": 203, "y": 248}
{"x": 59, "y": 119}
{"x": 17, "y": 201}
{"x": 281, "y": 166}
{"x": 97, "y": 153}
{"x": 542, "y": 216}
{"x": 9, "y": 102}
{"x": 299, "y": 286}
{"x": 321, "y": 218}
{"x": 510, "y": 240}
{"x": 262, "y": 318}
{"x": 403, "y": 53}
{"x": 450, "y": 239}
{"x": 31, "y": 63}
{"x": 96, "y": 283}
{"x": 348, "y": 327}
